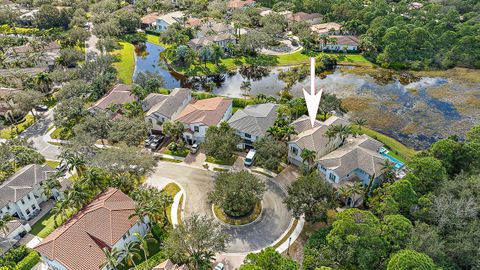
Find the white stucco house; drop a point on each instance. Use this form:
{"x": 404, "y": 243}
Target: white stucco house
{"x": 161, "y": 108}
{"x": 22, "y": 193}
{"x": 358, "y": 158}
{"x": 253, "y": 122}
{"x": 198, "y": 116}
{"x": 105, "y": 223}
{"x": 164, "y": 21}
{"x": 342, "y": 43}
{"x": 15, "y": 230}
{"x": 313, "y": 139}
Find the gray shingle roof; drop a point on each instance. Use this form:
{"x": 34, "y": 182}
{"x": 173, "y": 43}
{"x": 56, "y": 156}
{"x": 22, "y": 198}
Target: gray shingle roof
{"x": 22, "y": 182}
{"x": 167, "y": 105}
{"x": 360, "y": 152}
{"x": 254, "y": 119}
{"x": 314, "y": 138}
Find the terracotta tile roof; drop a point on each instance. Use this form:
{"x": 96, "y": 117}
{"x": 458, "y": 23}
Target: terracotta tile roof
{"x": 207, "y": 111}
{"x": 78, "y": 243}
{"x": 119, "y": 95}
{"x": 168, "y": 265}
{"x": 324, "y": 28}
{"x": 150, "y": 18}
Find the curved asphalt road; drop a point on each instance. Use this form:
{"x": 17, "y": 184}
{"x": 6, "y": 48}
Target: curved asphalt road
{"x": 274, "y": 221}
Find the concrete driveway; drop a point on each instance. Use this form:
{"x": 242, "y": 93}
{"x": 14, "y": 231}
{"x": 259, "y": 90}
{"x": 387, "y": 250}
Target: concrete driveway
{"x": 274, "y": 221}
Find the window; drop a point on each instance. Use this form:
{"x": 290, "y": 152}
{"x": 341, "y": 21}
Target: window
{"x": 247, "y": 135}
{"x": 22, "y": 201}
{"x": 27, "y": 211}
{"x": 196, "y": 129}
{"x": 332, "y": 177}
{"x": 294, "y": 150}
{"x": 34, "y": 207}
{"x": 322, "y": 168}
{"x": 28, "y": 196}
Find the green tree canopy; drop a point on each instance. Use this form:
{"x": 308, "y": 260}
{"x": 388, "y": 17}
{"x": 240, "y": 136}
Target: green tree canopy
{"x": 408, "y": 259}
{"x": 268, "y": 259}
{"x": 221, "y": 142}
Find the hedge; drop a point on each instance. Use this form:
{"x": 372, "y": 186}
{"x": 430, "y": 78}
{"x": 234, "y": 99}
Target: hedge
{"x": 29, "y": 262}
{"x": 152, "y": 261}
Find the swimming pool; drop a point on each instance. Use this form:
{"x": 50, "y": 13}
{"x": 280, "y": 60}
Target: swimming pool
{"x": 397, "y": 163}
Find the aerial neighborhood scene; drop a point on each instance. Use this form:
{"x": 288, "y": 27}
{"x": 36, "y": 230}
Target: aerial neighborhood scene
{"x": 239, "y": 134}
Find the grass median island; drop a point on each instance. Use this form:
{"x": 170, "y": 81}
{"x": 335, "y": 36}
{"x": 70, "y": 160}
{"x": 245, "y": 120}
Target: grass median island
{"x": 249, "y": 218}
{"x": 228, "y": 162}
{"x": 126, "y": 64}
{"x": 172, "y": 189}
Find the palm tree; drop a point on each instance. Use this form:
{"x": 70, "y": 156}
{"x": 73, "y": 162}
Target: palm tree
{"x": 246, "y": 87}
{"x": 288, "y": 131}
{"x": 356, "y": 189}
{"x": 43, "y": 82}
{"x": 93, "y": 181}
{"x": 339, "y": 131}
{"x": 74, "y": 162}
{"x": 129, "y": 252}
{"x": 388, "y": 169}
{"x": 143, "y": 242}
{"x": 202, "y": 260}
{"x": 4, "y": 225}
{"x": 308, "y": 156}
{"x": 49, "y": 185}
{"x": 60, "y": 209}
{"x": 204, "y": 54}
{"x": 275, "y": 132}
{"x": 217, "y": 52}
{"x": 111, "y": 258}
{"x": 344, "y": 192}
{"x": 173, "y": 129}
{"x": 77, "y": 196}
{"x": 360, "y": 122}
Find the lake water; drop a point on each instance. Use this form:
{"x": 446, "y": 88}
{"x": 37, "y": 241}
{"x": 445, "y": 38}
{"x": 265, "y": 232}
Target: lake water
{"x": 417, "y": 114}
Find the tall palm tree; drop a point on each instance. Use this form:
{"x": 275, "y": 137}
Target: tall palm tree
{"x": 111, "y": 258}
{"x": 288, "y": 131}
{"x": 74, "y": 162}
{"x": 173, "y": 129}
{"x": 339, "y": 131}
{"x": 308, "y": 156}
{"x": 246, "y": 87}
{"x": 49, "y": 184}
{"x": 275, "y": 132}
{"x": 143, "y": 242}
{"x": 217, "y": 53}
{"x": 77, "y": 196}
{"x": 61, "y": 209}
{"x": 388, "y": 170}
{"x": 360, "y": 122}
{"x": 344, "y": 192}
{"x": 356, "y": 189}
{"x": 129, "y": 252}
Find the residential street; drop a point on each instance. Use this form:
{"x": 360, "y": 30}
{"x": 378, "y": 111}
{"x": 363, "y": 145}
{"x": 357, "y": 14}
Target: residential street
{"x": 274, "y": 221}
{"x": 37, "y": 134}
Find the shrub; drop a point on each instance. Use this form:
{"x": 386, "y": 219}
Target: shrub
{"x": 152, "y": 261}
{"x": 15, "y": 254}
{"x": 29, "y": 262}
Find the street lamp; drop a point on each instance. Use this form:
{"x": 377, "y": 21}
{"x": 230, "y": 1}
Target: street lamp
{"x": 288, "y": 249}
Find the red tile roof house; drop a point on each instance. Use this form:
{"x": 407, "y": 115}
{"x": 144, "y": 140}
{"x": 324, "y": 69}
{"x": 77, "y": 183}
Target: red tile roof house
{"x": 198, "y": 116}
{"x": 104, "y": 223}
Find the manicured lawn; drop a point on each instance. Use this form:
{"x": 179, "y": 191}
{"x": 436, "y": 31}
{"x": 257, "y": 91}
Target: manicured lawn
{"x": 172, "y": 189}
{"x": 398, "y": 150}
{"x": 126, "y": 66}
{"x": 178, "y": 153}
{"x": 52, "y": 163}
{"x": 298, "y": 58}
{"x": 220, "y": 214}
{"x": 45, "y": 226}
{"x": 169, "y": 160}
{"x": 10, "y": 132}
{"x": 222, "y": 162}
{"x": 154, "y": 39}
{"x": 61, "y": 134}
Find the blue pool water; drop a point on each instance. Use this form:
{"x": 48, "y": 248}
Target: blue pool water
{"x": 398, "y": 163}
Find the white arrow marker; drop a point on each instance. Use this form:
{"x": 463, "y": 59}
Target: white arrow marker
{"x": 312, "y": 99}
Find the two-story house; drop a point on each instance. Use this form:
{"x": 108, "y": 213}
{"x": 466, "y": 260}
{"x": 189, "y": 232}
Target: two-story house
{"x": 253, "y": 122}
{"x": 22, "y": 193}
{"x": 358, "y": 158}
{"x": 213, "y": 32}
{"x": 164, "y": 21}
{"x": 105, "y": 223}
{"x": 161, "y": 108}
{"x": 313, "y": 139}
{"x": 198, "y": 116}
{"x": 119, "y": 95}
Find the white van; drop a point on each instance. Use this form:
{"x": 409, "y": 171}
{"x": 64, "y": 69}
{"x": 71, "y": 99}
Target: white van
{"x": 250, "y": 157}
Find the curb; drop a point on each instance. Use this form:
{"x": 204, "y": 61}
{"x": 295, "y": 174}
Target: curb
{"x": 242, "y": 225}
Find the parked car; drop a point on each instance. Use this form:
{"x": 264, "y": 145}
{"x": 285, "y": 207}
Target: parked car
{"x": 148, "y": 141}
{"x": 250, "y": 158}
{"x": 156, "y": 142}
{"x": 41, "y": 108}
{"x": 61, "y": 167}
{"x": 220, "y": 266}
{"x": 195, "y": 148}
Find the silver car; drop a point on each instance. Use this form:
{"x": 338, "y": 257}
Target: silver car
{"x": 220, "y": 266}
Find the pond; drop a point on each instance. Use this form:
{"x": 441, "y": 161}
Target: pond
{"x": 149, "y": 60}
{"x": 416, "y": 114}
